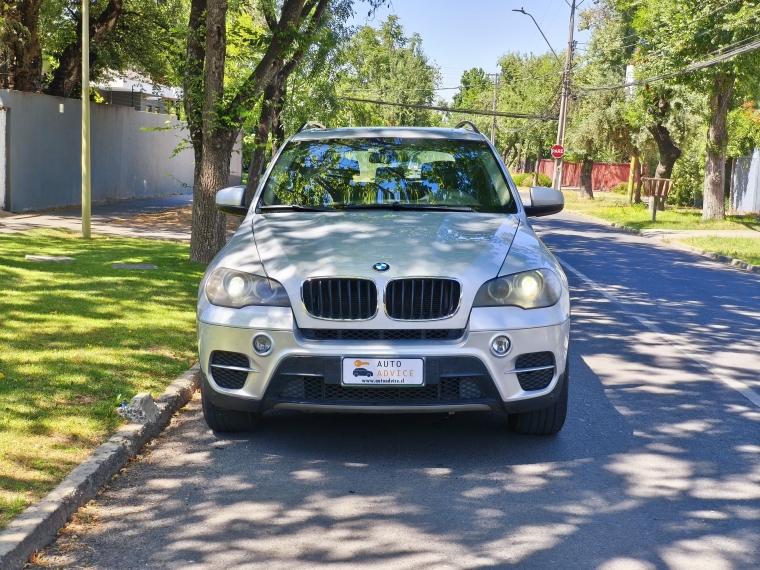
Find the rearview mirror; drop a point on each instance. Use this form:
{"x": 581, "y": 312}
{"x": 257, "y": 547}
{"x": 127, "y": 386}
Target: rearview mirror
{"x": 544, "y": 202}
{"x": 232, "y": 201}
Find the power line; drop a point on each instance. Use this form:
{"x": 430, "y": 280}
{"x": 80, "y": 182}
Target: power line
{"x": 461, "y": 87}
{"x": 715, "y": 11}
{"x": 453, "y": 109}
{"x": 611, "y": 49}
{"x": 373, "y": 89}
{"x": 690, "y": 69}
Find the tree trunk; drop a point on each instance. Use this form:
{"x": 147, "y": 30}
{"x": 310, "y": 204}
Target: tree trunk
{"x": 669, "y": 152}
{"x": 278, "y": 127}
{"x": 193, "y": 78}
{"x": 632, "y": 176}
{"x": 537, "y": 165}
{"x": 637, "y": 193}
{"x": 507, "y": 153}
{"x": 25, "y": 53}
{"x": 517, "y": 157}
{"x": 260, "y": 142}
{"x": 66, "y": 76}
{"x": 209, "y": 224}
{"x": 586, "y": 190}
{"x": 714, "y": 206}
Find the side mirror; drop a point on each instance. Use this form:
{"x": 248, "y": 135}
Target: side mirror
{"x": 232, "y": 201}
{"x": 544, "y": 202}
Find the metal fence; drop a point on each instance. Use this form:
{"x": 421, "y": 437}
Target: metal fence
{"x": 40, "y": 146}
{"x": 745, "y": 184}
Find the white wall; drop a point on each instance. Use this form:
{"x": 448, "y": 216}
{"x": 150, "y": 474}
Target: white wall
{"x": 43, "y": 145}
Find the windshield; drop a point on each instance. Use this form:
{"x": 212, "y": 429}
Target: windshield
{"x": 420, "y": 173}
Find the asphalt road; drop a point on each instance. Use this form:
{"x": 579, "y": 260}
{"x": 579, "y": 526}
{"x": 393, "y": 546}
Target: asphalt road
{"x": 658, "y": 465}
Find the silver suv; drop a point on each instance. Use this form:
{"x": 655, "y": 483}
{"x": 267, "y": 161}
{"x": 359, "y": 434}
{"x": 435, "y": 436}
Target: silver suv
{"x": 385, "y": 270}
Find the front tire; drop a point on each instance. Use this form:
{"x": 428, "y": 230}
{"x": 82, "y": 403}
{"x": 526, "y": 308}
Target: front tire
{"x": 548, "y": 421}
{"x": 227, "y": 421}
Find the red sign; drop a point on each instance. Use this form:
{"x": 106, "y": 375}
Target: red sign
{"x": 558, "y": 151}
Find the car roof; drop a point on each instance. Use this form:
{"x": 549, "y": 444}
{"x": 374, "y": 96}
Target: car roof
{"x": 388, "y": 132}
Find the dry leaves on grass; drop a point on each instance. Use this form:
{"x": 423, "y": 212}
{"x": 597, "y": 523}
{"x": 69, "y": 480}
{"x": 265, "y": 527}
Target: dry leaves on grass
{"x": 178, "y": 218}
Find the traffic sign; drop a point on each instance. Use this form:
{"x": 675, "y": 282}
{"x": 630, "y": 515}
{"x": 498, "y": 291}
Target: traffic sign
{"x": 558, "y": 151}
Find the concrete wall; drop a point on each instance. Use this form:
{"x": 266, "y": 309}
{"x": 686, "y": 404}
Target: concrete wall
{"x": 43, "y": 146}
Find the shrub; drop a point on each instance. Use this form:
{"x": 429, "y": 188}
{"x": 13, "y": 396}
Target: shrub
{"x": 688, "y": 178}
{"x": 520, "y": 179}
{"x": 621, "y": 188}
{"x": 526, "y": 179}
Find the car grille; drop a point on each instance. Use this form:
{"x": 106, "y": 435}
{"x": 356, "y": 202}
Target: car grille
{"x": 225, "y": 376}
{"x": 315, "y": 390}
{"x": 379, "y": 334}
{"x": 340, "y": 298}
{"x": 422, "y": 299}
{"x": 536, "y": 379}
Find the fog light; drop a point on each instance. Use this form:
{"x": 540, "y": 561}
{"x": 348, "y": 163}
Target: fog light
{"x": 262, "y": 344}
{"x": 500, "y": 345}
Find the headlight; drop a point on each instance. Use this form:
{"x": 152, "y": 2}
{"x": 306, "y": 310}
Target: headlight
{"x": 235, "y": 289}
{"x": 529, "y": 290}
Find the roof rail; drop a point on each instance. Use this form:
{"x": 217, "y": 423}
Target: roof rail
{"x": 467, "y": 124}
{"x": 311, "y": 125}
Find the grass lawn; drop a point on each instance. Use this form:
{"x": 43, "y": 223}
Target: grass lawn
{"x": 615, "y": 208}
{"x": 746, "y": 249}
{"x": 74, "y": 340}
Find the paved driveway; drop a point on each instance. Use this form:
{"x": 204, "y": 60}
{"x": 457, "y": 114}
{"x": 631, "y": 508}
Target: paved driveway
{"x": 101, "y": 217}
{"x": 657, "y": 467}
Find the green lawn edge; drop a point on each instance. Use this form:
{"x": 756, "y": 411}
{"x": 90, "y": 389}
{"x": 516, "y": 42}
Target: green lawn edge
{"x": 75, "y": 339}
{"x": 615, "y": 208}
{"x": 744, "y": 249}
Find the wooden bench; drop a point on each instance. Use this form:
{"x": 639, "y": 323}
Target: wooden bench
{"x": 657, "y": 189}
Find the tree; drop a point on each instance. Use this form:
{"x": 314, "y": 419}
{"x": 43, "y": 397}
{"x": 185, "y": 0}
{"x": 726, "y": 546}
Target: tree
{"x": 320, "y": 58}
{"x": 676, "y": 33}
{"x": 526, "y": 84}
{"x": 216, "y": 106}
{"x": 385, "y": 64}
{"x": 124, "y": 34}
{"x": 21, "y": 39}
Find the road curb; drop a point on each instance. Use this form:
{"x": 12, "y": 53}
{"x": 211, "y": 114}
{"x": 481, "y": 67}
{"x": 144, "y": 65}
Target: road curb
{"x": 732, "y": 261}
{"x": 38, "y": 525}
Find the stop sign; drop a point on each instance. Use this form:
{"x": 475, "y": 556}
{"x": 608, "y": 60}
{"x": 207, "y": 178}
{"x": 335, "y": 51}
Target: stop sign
{"x": 558, "y": 151}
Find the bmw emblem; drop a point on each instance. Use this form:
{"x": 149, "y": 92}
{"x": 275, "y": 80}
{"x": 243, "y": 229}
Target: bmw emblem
{"x": 381, "y": 266}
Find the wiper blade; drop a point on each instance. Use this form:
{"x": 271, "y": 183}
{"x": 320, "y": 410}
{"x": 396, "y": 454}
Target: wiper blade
{"x": 295, "y": 207}
{"x": 399, "y": 206}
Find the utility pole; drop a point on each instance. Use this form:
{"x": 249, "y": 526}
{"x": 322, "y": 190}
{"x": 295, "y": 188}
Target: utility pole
{"x": 493, "y": 106}
{"x": 85, "y": 119}
{"x": 557, "y": 183}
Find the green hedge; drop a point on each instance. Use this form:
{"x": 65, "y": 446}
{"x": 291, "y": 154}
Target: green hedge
{"x": 526, "y": 179}
{"x": 621, "y": 188}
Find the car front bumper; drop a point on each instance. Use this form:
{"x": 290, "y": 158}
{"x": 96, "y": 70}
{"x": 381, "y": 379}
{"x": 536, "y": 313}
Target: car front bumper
{"x": 295, "y": 357}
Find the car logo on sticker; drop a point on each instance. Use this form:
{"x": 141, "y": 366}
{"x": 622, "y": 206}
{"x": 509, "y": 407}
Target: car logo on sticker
{"x": 381, "y": 266}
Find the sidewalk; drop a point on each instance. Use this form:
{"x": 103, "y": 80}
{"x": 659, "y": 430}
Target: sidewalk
{"x": 102, "y": 216}
{"x": 686, "y": 234}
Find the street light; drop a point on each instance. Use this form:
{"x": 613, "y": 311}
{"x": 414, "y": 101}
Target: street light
{"x": 557, "y": 182}
{"x": 522, "y": 11}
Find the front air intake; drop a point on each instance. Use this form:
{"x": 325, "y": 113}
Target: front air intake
{"x": 422, "y": 299}
{"x": 340, "y": 298}
{"x": 535, "y": 370}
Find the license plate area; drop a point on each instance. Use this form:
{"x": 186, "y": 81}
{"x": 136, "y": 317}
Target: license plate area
{"x": 366, "y": 371}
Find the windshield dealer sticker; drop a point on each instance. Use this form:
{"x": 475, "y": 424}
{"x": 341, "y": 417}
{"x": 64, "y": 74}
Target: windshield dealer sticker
{"x": 383, "y": 372}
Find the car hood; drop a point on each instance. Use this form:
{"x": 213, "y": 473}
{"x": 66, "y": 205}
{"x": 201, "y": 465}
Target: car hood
{"x": 435, "y": 244}
{"x": 294, "y": 246}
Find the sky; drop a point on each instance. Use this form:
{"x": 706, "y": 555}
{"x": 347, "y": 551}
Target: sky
{"x": 461, "y": 34}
